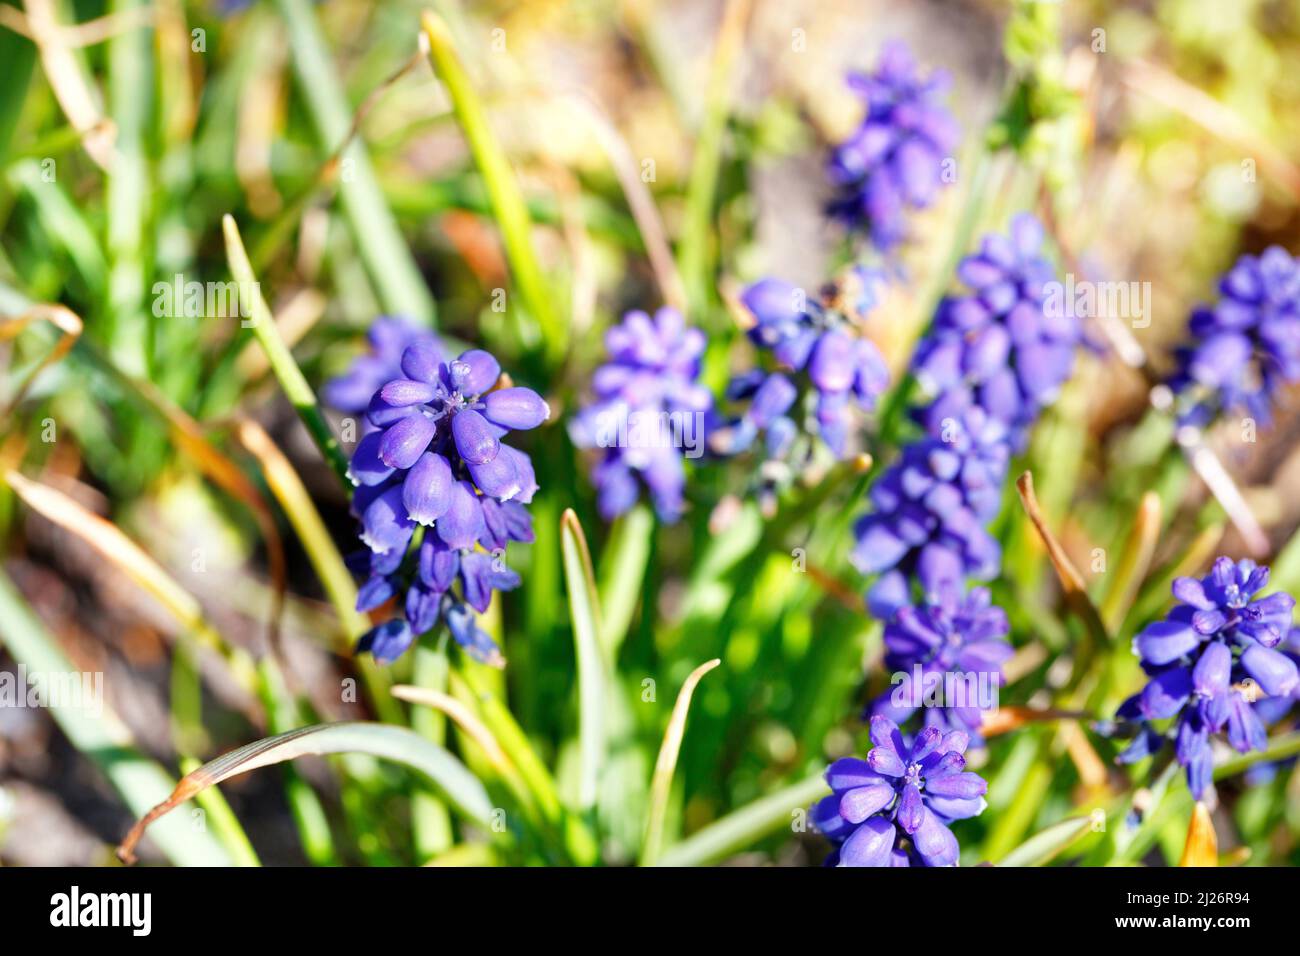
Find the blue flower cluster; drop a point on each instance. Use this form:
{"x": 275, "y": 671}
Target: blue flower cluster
{"x": 992, "y": 361}
{"x": 649, "y": 412}
{"x": 949, "y": 653}
{"x": 388, "y": 337}
{"x": 1244, "y": 347}
{"x": 1000, "y": 347}
{"x": 894, "y": 160}
{"x": 893, "y": 809}
{"x": 824, "y": 372}
{"x": 439, "y": 494}
{"x": 1198, "y": 659}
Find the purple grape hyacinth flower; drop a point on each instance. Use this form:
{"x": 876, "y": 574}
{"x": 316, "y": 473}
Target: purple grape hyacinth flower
{"x": 436, "y": 465}
{"x": 649, "y": 412}
{"x": 825, "y": 371}
{"x": 1000, "y": 347}
{"x": 929, "y": 517}
{"x": 389, "y": 337}
{"x": 893, "y": 809}
{"x": 1246, "y": 346}
{"x": 950, "y": 649}
{"x": 895, "y": 159}
{"x": 1217, "y": 637}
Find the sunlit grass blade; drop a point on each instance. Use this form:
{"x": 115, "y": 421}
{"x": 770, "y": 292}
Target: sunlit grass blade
{"x": 593, "y": 669}
{"x": 746, "y": 826}
{"x": 510, "y": 212}
{"x": 399, "y": 744}
{"x": 380, "y": 243}
{"x": 1279, "y": 748}
{"x": 1156, "y": 593}
{"x": 118, "y": 549}
{"x": 292, "y": 381}
{"x": 1134, "y": 561}
{"x": 19, "y": 56}
{"x": 315, "y": 538}
{"x": 463, "y": 717}
{"x": 128, "y": 199}
{"x": 622, "y": 570}
{"x": 1017, "y": 817}
{"x": 1202, "y": 846}
{"x": 1040, "y": 848}
{"x": 63, "y": 223}
{"x": 661, "y": 785}
{"x": 102, "y": 737}
{"x": 189, "y": 436}
{"x": 579, "y": 841}
{"x": 695, "y": 255}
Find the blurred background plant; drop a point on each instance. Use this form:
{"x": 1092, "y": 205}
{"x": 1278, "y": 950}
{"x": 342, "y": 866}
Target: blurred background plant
{"x": 517, "y": 177}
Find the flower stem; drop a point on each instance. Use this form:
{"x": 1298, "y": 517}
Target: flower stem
{"x": 290, "y": 376}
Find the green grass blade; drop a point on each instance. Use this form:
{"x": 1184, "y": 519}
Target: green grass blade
{"x": 1040, "y": 848}
{"x": 130, "y": 94}
{"x": 292, "y": 381}
{"x": 62, "y": 222}
{"x": 502, "y": 187}
{"x": 387, "y": 259}
{"x": 462, "y": 789}
{"x": 593, "y": 669}
{"x": 104, "y": 739}
{"x": 18, "y": 54}
{"x": 744, "y": 827}
{"x": 695, "y": 254}
{"x": 661, "y": 785}
{"x": 622, "y": 569}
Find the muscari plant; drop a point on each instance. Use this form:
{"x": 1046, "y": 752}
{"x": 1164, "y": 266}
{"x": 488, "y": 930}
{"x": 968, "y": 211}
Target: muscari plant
{"x": 461, "y": 469}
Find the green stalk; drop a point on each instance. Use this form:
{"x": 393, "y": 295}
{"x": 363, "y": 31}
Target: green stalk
{"x": 622, "y": 570}
{"x": 429, "y": 816}
{"x": 290, "y": 376}
{"x": 387, "y": 259}
{"x": 502, "y": 188}
{"x": 129, "y": 93}
{"x": 326, "y": 562}
{"x": 19, "y": 56}
{"x": 746, "y": 826}
{"x": 695, "y": 255}
{"x": 579, "y": 841}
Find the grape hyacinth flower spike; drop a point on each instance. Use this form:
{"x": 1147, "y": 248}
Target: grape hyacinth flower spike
{"x": 649, "y": 413}
{"x": 949, "y": 649}
{"x": 388, "y": 337}
{"x": 1202, "y": 660}
{"x": 821, "y": 371}
{"x": 1001, "y": 347}
{"x": 893, "y": 809}
{"x": 927, "y": 524}
{"x": 437, "y": 465}
{"x": 1246, "y": 346}
{"x": 895, "y": 159}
